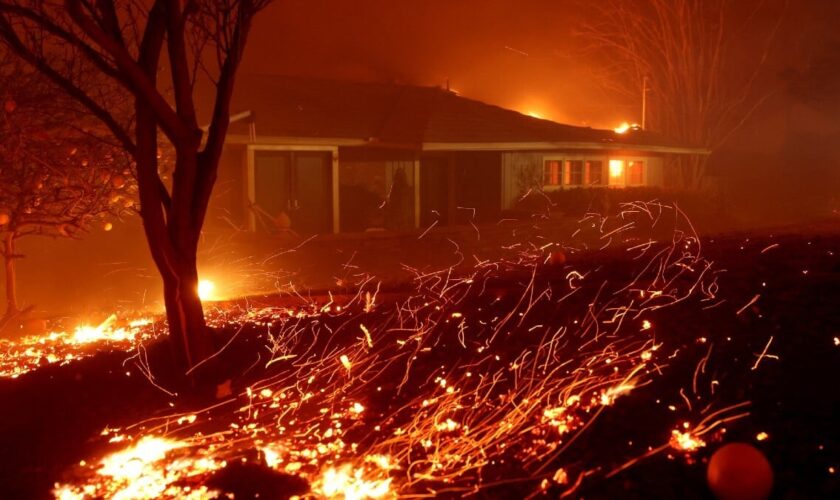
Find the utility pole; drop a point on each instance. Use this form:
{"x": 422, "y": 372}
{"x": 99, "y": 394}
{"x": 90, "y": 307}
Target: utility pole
{"x": 644, "y": 102}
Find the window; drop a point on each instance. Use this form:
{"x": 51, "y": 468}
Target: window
{"x": 626, "y": 172}
{"x": 573, "y": 173}
{"x": 616, "y": 171}
{"x": 594, "y": 172}
{"x": 635, "y": 171}
{"x": 552, "y": 173}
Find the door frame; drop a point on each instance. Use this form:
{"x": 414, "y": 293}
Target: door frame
{"x": 250, "y": 153}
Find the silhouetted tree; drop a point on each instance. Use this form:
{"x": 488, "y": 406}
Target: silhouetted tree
{"x": 57, "y": 178}
{"x": 126, "y": 42}
{"x": 702, "y": 61}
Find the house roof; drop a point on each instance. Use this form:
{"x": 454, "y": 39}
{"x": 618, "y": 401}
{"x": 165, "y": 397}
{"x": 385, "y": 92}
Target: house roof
{"x": 410, "y": 117}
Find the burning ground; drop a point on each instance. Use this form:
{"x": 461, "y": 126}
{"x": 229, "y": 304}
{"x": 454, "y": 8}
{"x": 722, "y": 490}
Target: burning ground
{"x": 608, "y": 364}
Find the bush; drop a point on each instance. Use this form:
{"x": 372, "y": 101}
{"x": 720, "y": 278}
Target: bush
{"x": 579, "y": 201}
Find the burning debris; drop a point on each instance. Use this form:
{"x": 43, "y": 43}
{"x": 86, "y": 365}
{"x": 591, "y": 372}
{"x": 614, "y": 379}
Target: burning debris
{"x": 24, "y": 355}
{"x": 498, "y": 369}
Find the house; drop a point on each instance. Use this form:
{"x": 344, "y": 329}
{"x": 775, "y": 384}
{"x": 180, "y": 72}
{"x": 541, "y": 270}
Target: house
{"x": 316, "y": 156}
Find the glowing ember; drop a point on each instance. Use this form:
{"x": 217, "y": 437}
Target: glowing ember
{"x": 685, "y": 441}
{"x": 132, "y": 463}
{"x": 454, "y": 392}
{"x": 87, "y": 334}
{"x": 349, "y": 483}
{"x": 626, "y": 127}
{"x": 142, "y": 472}
{"x": 23, "y": 355}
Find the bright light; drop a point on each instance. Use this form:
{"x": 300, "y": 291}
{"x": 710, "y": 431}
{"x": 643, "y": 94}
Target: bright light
{"x": 626, "y": 127}
{"x": 132, "y": 462}
{"x": 685, "y": 441}
{"x": 85, "y": 334}
{"x": 206, "y": 290}
{"x": 349, "y": 483}
{"x": 534, "y": 114}
{"x": 616, "y": 168}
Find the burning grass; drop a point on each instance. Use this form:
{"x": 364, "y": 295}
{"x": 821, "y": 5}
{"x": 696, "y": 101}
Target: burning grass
{"x": 471, "y": 382}
{"x": 59, "y": 347}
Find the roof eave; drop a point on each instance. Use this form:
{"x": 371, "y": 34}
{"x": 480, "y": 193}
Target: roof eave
{"x": 536, "y": 146}
{"x": 294, "y": 141}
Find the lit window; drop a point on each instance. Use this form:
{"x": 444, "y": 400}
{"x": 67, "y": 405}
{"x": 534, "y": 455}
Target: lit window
{"x": 552, "y": 173}
{"x": 635, "y": 170}
{"x": 616, "y": 168}
{"x": 573, "y": 173}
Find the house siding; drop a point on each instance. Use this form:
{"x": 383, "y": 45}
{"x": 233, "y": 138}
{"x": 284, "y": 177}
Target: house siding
{"x": 228, "y": 207}
{"x": 522, "y": 171}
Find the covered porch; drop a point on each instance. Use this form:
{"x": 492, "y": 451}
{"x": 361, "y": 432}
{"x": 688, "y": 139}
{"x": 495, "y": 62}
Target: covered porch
{"x": 330, "y": 189}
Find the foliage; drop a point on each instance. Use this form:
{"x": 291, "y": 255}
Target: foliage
{"x": 85, "y": 47}
{"x": 701, "y": 62}
{"x": 577, "y": 202}
{"x": 57, "y": 178}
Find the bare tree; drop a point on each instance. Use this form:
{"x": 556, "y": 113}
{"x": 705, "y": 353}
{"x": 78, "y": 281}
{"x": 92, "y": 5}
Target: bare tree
{"x": 57, "y": 177}
{"x": 703, "y": 70}
{"x": 127, "y": 42}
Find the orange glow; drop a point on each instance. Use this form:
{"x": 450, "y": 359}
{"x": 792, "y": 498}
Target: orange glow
{"x": 616, "y": 168}
{"x": 626, "y": 127}
{"x": 456, "y": 421}
{"x": 207, "y": 290}
{"x": 350, "y": 483}
{"x": 685, "y": 441}
{"x": 534, "y": 114}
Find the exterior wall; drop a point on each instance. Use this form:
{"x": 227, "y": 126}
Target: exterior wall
{"x": 228, "y": 207}
{"x": 522, "y": 171}
{"x": 368, "y": 196}
{"x": 656, "y": 172}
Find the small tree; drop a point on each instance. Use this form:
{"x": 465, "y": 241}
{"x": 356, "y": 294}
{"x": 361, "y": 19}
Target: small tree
{"x": 704, "y": 75}
{"x": 125, "y": 42}
{"x": 56, "y": 177}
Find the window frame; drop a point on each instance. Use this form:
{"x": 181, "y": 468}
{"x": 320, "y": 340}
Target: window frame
{"x": 623, "y": 179}
{"x": 564, "y": 174}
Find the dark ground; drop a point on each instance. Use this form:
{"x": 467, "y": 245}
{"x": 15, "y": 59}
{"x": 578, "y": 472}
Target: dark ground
{"x": 50, "y": 418}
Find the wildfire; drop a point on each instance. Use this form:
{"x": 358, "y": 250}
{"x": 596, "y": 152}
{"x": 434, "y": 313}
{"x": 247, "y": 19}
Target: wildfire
{"x": 453, "y": 392}
{"x": 104, "y": 331}
{"x": 142, "y": 472}
{"x": 626, "y": 127}
{"x": 28, "y": 353}
{"x": 349, "y": 483}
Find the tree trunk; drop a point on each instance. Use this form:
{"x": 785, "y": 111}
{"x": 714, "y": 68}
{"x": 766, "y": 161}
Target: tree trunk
{"x": 9, "y": 261}
{"x": 173, "y": 243}
{"x": 185, "y": 315}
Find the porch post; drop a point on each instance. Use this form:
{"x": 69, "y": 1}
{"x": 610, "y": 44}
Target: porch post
{"x": 251, "y": 192}
{"x": 416, "y": 192}
{"x": 336, "y": 213}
